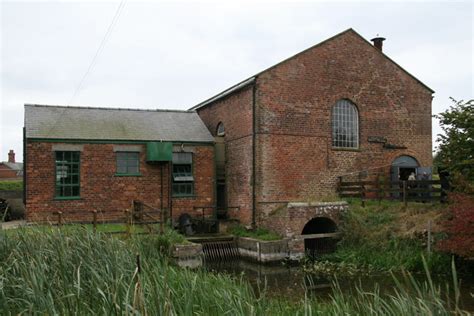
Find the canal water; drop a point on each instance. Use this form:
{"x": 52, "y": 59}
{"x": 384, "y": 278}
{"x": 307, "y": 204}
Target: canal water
{"x": 292, "y": 283}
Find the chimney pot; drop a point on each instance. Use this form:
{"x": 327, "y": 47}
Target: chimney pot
{"x": 378, "y": 42}
{"x": 11, "y": 156}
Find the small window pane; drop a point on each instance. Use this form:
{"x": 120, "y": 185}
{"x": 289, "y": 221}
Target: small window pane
{"x": 345, "y": 125}
{"x": 220, "y": 129}
{"x": 67, "y": 174}
{"x": 183, "y": 181}
{"x": 128, "y": 162}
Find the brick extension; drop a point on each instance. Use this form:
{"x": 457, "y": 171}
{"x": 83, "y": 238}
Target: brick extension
{"x": 110, "y": 195}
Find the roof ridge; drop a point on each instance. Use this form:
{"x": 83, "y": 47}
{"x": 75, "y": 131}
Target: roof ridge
{"x": 224, "y": 92}
{"x": 235, "y": 87}
{"x": 104, "y": 108}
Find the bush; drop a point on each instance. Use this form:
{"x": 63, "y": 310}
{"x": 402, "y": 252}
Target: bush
{"x": 460, "y": 226}
{"x": 11, "y": 185}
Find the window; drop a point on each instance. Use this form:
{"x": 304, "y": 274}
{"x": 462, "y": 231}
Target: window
{"x": 128, "y": 163}
{"x": 183, "y": 180}
{"x": 220, "y": 129}
{"x": 345, "y": 125}
{"x": 67, "y": 174}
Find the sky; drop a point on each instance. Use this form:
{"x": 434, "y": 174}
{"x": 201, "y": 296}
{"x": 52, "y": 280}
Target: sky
{"x": 175, "y": 54}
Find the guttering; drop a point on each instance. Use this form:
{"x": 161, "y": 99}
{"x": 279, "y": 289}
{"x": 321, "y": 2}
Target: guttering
{"x": 224, "y": 93}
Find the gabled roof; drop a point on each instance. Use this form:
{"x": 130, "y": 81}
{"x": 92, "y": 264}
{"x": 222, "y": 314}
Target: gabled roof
{"x": 88, "y": 123}
{"x": 252, "y": 79}
{"x": 13, "y": 165}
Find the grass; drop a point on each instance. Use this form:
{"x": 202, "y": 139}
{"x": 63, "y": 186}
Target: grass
{"x": 258, "y": 233}
{"x": 76, "y": 272}
{"x": 11, "y": 185}
{"x": 386, "y": 236}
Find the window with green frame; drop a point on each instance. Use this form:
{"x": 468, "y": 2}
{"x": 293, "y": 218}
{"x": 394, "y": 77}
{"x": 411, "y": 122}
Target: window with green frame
{"x": 128, "y": 163}
{"x": 67, "y": 174}
{"x": 183, "y": 180}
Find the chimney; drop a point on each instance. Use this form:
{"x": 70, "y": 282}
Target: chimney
{"x": 11, "y": 156}
{"x": 378, "y": 42}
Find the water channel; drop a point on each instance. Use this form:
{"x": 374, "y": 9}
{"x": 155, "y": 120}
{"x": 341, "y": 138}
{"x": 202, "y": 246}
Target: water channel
{"x": 292, "y": 283}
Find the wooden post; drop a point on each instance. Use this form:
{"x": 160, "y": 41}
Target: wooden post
{"x": 94, "y": 221}
{"x": 362, "y": 190}
{"x": 377, "y": 187}
{"x": 339, "y": 184}
{"x": 162, "y": 221}
{"x": 429, "y": 237}
{"x": 60, "y": 218}
{"x": 139, "y": 266}
{"x": 127, "y": 221}
{"x": 405, "y": 194}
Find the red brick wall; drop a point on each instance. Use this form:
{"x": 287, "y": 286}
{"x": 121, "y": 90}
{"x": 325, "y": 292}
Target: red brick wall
{"x": 8, "y": 174}
{"x": 110, "y": 195}
{"x": 295, "y": 158}
{"x": 235, "y": 112}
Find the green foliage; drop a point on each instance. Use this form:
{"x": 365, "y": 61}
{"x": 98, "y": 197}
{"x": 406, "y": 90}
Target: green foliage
{"x": 370, "y": 240}
{"x": 76, "y": 272}
{"x": 258, "y": 233}
{"x": 456, "y": 145}
{"x": 11, "y": 185}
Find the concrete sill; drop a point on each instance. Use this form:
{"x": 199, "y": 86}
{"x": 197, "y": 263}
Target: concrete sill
{"x": 128, "y": 175}
{"x": 184, "y": 196}
{"x": 346, "y": 149}
{"x": 63, "y": 198}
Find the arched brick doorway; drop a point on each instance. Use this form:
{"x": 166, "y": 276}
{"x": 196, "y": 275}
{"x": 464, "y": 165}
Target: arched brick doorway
{"x": 320, "y": 236}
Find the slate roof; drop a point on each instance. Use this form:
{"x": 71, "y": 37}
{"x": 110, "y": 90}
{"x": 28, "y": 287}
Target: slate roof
{"x": 88, "y": 123}
{"x": 13, "y": 165}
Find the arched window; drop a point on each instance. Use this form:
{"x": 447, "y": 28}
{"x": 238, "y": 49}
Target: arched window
{"x": 345, "y": 125}
{"x": 220, "y": 129}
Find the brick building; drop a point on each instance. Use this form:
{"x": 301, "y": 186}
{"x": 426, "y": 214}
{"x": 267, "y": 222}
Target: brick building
{"x": 290, "y": 131}
{"x": 11, "y": 170}
{"x": 82, "y": 159}
{"x": 283, "y": 135}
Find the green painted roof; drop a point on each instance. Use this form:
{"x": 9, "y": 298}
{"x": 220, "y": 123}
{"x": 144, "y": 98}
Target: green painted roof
{"x": 87, "y": 123}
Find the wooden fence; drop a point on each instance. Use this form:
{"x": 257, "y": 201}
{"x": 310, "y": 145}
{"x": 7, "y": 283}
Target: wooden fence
{"x": 415, "y": 190}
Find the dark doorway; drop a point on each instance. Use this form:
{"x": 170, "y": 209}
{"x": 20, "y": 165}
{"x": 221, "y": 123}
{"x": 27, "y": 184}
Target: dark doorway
{"x": 404, "y": 173}
{"x": 315, "y": 247}
{"x": 401, "y": 169}
{"x": 221, "y": 200}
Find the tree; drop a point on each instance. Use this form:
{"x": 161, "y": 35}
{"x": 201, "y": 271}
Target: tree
{"x": 456, "y": 145}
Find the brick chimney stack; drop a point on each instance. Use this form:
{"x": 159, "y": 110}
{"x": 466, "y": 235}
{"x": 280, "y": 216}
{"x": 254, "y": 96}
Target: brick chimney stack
{"x": 378, "y": 42}
{"x": 11, "y": 156}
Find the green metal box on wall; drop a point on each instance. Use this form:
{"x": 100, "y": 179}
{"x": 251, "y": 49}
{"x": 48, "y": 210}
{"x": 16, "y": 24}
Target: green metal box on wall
{"x": 159, "y": 151}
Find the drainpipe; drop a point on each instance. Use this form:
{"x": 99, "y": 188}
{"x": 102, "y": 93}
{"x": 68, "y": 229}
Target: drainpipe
{"x": 24, "y": 167}
{"x": 254, "y": 153}
{"x": 170, "y": 191}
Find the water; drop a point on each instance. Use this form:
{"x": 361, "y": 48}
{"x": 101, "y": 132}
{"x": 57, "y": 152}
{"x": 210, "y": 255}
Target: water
{"x": 279, "y": 281}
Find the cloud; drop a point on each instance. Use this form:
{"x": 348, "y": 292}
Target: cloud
{"x": 176, "y": 54}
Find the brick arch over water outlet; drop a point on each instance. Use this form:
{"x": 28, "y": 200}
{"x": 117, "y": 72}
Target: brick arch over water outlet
{"x": 319, "y": 225}
{"x": 317, "y": 246}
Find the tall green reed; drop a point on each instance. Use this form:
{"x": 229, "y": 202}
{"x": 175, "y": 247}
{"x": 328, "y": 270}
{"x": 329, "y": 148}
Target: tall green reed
{"x": 76, "y": 272}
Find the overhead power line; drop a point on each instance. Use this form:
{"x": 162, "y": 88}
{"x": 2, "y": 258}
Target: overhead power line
{"x": 99, "y": 49}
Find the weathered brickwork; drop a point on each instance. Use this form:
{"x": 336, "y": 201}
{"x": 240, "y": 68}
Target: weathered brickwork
{"x": 107, "y": 193}
{"x": 295, "y": 159}
{"x": 235, "y": 112}
{"x": 291, "y": 218}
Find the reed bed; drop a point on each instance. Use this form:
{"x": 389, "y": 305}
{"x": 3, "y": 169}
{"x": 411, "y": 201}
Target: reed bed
{"x": 78, "y": 272}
